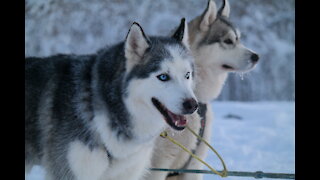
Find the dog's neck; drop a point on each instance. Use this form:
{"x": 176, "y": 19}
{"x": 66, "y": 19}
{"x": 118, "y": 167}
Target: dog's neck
{"x": 142, "y": 132}
{"x": 208, "y": 82}
{"x": 209, "y": 79}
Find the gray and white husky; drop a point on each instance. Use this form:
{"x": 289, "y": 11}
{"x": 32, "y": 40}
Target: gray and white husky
{"x": 216, "y": 47}
{"x": 97, "y": 116}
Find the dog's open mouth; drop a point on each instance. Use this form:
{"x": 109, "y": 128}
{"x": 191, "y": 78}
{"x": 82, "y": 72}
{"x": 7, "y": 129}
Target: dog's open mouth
{"x": 177, "y": 122}
{"x": 225, "y": 66}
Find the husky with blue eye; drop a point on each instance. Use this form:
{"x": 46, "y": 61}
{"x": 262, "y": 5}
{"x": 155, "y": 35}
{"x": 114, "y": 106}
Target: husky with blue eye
{"x": 217, "y": 49}
{"x": 97, "y": 116}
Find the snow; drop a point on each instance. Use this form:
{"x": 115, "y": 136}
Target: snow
{"x": 36, "y": 173}
{"x": 250, "y": 136}
{"x": 262, "y": 139}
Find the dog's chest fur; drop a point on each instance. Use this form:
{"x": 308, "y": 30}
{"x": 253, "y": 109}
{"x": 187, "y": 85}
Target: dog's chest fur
{"x": 117, "y": 158}
{"x": 96, "y": 165}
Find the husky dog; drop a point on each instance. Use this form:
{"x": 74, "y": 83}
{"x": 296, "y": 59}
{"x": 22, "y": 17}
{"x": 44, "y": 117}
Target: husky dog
{"x": 216, "y": 47}
{"x": 97, "y": 116}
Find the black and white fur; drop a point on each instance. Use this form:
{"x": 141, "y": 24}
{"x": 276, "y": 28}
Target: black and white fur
{"x": 92, "y": 116}
{"x": 215, "y": 44}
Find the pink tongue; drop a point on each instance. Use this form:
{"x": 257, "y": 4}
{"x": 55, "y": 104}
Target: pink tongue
{"x": 178, "y": 120}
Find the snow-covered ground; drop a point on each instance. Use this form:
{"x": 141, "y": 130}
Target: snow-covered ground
{"x": 250, "y": 136}
{"x": 254, "y": 136}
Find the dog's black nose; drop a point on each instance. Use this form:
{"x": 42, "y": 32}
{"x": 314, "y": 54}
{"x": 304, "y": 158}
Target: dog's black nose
{"x": 190, "y": 105}
{"x": 254, "y": 57}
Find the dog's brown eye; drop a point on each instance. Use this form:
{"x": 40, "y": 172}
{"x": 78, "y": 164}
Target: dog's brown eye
{"x": 228, "y": 41}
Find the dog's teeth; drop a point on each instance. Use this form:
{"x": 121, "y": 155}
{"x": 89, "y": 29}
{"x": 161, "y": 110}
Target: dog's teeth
{"x": 176, "y": 123}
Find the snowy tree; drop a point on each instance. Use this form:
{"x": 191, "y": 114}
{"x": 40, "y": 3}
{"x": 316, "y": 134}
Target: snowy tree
{"x": 82, "y": 27}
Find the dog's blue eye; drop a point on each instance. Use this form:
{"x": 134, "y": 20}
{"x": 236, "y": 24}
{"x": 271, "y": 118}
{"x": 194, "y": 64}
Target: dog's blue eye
{"x": 187, "y": 75}
{"x": 163, "y": 77}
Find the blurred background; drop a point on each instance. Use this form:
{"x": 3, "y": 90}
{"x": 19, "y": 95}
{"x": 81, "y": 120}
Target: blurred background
{"x": 81, "y": 27}
{"x": 254, "y": 116}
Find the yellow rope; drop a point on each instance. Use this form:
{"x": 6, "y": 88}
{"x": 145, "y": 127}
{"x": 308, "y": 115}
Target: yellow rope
{"x": 224, "y": 173}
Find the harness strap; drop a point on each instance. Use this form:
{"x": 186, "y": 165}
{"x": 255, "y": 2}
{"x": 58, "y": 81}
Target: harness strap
{"x": 202, "y": 113}
{"x": 202, "y": 110}
{"x": 224, "y": 173}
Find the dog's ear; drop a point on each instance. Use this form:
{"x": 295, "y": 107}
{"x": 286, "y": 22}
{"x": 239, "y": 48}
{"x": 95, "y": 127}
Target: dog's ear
{"x": 136, "y": 45}
{"x": 181, "y": 34}
{"x": 208, "y": 16}
{"x": 225, "y": 9}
